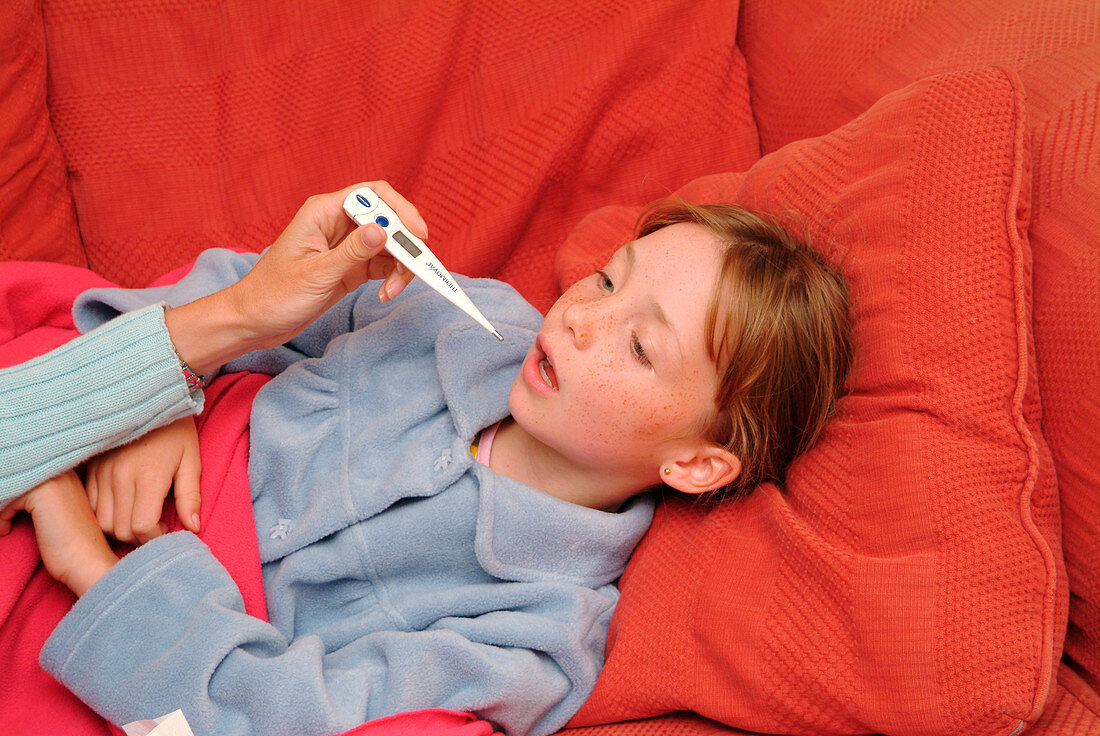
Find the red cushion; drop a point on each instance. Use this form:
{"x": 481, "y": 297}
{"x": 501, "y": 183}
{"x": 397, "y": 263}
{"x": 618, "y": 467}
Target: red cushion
{"x": 908, "y": 578}
{"x": 37, "y": 220}
{"x": 193, "y": 124}
{"x": 815, "y": 64}
{"x": 1073, "y": 709}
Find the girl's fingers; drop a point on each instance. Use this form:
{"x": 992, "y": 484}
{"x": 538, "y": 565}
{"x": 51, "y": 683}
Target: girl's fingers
{"x": 187, "y": 491}
{"x": 105, "y": 508}
{"x": 91, "y": 486}
{"x": 123, "y": 511}
{"x": 150, "y": 489}
{"x": 6, "y": 515}
{"x": 144, "y": 523}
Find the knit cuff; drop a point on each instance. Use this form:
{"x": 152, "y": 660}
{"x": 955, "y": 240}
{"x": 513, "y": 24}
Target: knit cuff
{"x": 98, "y": 391}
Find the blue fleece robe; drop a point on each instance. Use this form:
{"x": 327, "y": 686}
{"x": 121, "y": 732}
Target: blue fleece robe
{"x": 399, "y": 572}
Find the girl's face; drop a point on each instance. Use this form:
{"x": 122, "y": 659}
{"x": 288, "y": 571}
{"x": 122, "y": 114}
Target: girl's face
{"x": 619, "y": 375}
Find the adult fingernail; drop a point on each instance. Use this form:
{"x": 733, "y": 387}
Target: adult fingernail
{"x": 392, "y": 289}
{"x": 195, "y": 521}
{"x": 372, "y": 236}
{"x": 423, "y": 226}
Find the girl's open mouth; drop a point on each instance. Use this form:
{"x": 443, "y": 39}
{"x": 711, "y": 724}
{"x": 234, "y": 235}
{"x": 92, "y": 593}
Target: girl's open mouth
{"x": 538, "y": 371}
{"x": 546, "y": 370}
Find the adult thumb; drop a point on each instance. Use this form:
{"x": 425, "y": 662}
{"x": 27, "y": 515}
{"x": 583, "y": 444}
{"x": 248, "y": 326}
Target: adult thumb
{"x": 360, "y": 246}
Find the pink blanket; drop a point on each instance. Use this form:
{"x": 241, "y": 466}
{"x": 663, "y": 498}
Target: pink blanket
{"x": 35, "y": 300}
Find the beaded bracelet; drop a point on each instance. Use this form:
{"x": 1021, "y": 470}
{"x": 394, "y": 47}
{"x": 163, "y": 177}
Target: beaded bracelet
{"x": 194, "y": 382}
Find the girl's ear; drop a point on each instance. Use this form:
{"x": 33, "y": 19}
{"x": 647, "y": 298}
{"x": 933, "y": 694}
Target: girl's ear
{"x": 704, "y": 468}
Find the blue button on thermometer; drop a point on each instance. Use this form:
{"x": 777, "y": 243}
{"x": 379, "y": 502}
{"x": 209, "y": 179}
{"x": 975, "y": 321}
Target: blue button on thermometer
{"x": 364, "y": 206}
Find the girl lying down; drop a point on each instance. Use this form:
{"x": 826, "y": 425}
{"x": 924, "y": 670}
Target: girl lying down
{"x": 442, "y": 517}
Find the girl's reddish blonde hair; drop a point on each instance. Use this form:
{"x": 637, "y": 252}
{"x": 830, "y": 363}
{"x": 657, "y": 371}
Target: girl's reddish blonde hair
{"x": 779, "y": 333}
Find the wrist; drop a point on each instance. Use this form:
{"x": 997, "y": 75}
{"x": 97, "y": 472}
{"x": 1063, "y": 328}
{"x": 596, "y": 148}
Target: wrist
{"x": 211, "y": 331}
{"x": 80, "y": 580}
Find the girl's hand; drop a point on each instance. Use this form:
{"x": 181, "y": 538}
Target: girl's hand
{"x": 73, "y": 548}
{"x": 127, "y": 486}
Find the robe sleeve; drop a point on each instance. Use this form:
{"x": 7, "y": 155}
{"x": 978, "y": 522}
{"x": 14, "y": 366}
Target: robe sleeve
{"x": 166, "y": 629}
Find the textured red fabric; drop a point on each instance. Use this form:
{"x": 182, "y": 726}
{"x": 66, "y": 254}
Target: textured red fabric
{"x": 908, "y": 578}
{"x": 188, "y": 124}
{"x": 1073, "y": 710}
{"x": 674, "y": 724}
{"x": 37, "y": 219}
{"x": 34, "y": 317}
{"x": 815, "y": 64}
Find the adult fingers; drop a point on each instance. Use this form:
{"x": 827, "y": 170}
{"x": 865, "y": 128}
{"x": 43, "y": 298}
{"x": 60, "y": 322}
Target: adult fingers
{"x": 394, "y": 275}
{"x": 395, "y": 282}
{"x": 403, "y": 207}
{"x": 325, "y": 212}
{"x": 351, "y": 258}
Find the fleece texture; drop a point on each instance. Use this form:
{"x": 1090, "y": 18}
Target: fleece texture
{"x": 399, "y": 573}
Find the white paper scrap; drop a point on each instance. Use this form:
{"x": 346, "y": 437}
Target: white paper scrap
{"x": 173, "y": 724}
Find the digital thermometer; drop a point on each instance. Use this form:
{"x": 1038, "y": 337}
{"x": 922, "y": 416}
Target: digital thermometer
{"x": 364, "y": 206}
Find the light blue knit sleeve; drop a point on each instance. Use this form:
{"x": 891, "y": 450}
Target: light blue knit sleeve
{"x": 93, "y": 393}
{"x": 166, "y": 629}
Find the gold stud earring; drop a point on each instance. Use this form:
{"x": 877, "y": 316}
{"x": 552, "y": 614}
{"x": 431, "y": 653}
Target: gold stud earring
{"x": 668, "y": 471}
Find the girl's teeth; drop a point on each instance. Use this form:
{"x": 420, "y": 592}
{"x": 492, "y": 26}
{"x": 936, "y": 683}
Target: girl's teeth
{"x": 544, "y": 366}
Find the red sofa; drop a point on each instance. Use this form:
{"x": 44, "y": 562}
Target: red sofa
{"x": 934, "y": 566}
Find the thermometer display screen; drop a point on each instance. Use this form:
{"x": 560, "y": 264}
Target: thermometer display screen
{"x": 404, "y": 242}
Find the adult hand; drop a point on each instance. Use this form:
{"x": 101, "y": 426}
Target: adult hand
{"x": 321, "y": 257}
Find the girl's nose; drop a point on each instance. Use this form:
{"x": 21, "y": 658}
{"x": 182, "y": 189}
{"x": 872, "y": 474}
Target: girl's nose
{"x": 580, "y": 317}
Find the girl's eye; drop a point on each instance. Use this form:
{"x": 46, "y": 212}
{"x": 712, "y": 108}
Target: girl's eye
{"x": 638, "y": 350}
{"x": 605, "y": 281}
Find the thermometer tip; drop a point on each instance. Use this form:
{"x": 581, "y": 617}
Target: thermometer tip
{"x": 498, "y": 336}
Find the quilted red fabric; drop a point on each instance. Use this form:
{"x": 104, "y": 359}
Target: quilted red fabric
{"x": 187, "y": 124}
{"x": 908, "y": 579}
{"x": 816, "y": 64}
{"x": 1073, "y": 710}
{"x": 37, "y": 219}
